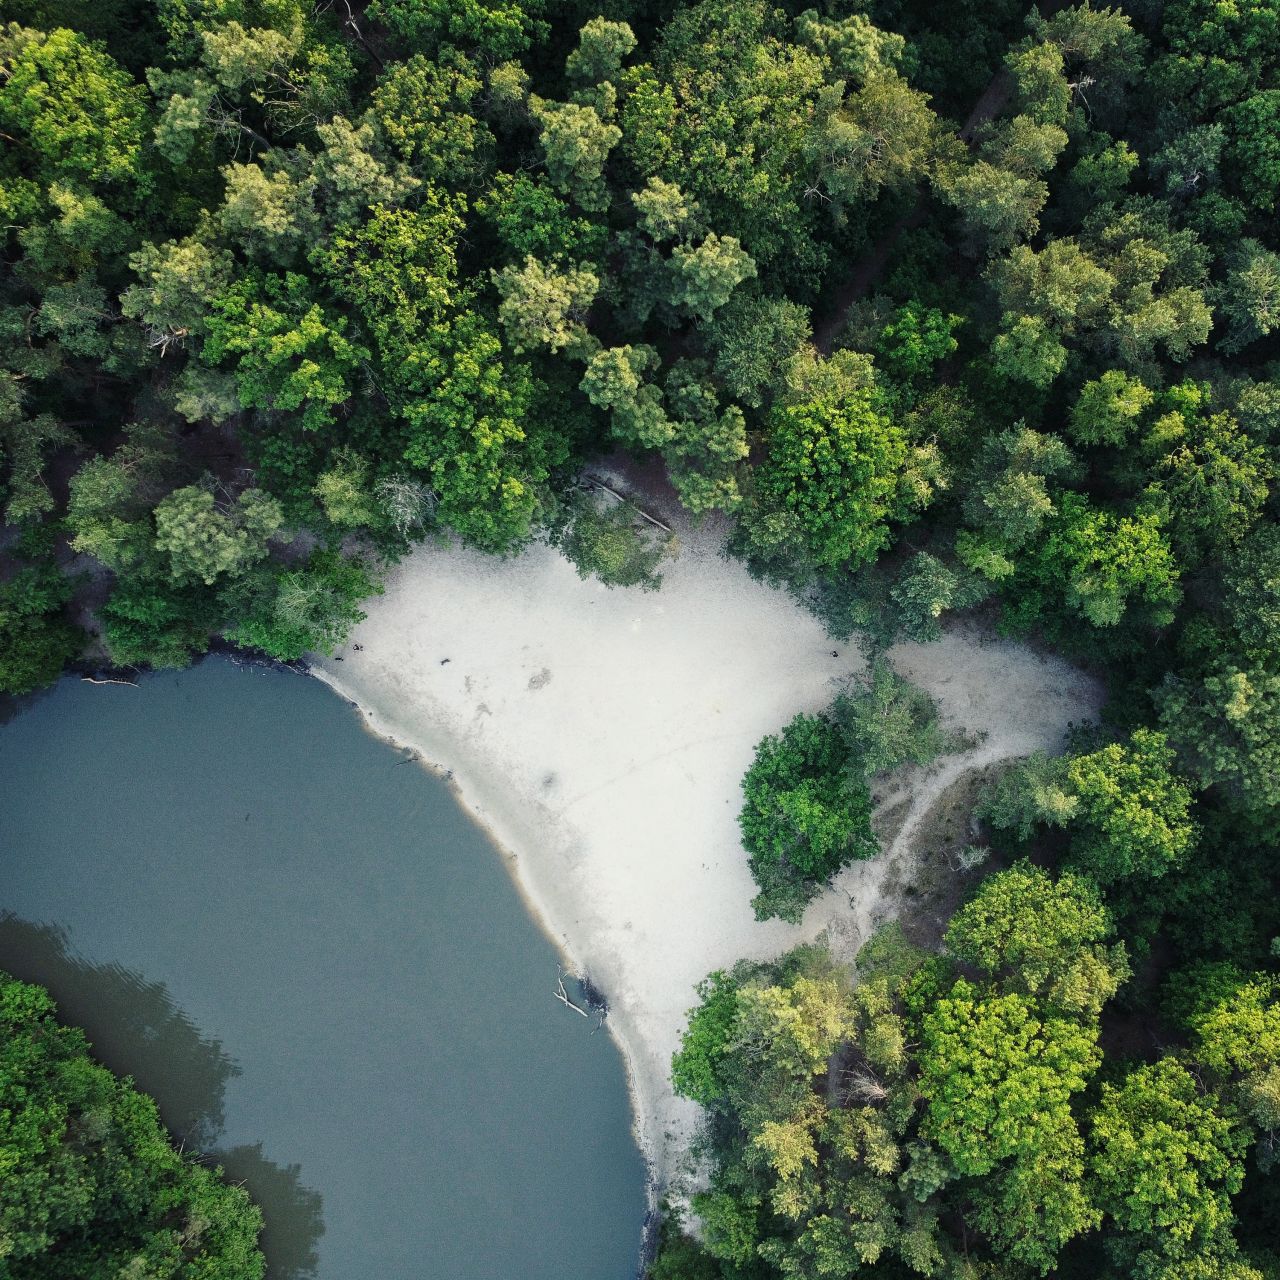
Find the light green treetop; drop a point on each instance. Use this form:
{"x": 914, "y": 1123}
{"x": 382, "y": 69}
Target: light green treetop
{"x": 998, "y": 1078}
{"x": 204, "y": 541}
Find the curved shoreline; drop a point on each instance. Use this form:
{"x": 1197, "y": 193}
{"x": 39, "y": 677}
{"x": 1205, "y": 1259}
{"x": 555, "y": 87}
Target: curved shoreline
{"x": 507, "y": 841}
{"x": 600, "y": 738}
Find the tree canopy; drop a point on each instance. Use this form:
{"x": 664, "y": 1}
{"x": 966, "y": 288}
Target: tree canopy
{"x": 93, "y": 1186}
{"x": 942, "y": 315}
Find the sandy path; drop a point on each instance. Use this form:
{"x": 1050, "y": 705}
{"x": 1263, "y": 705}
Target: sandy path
{"x": 602, "y": 736}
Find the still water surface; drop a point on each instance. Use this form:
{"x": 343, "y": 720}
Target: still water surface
{"x": 298, "y": 943}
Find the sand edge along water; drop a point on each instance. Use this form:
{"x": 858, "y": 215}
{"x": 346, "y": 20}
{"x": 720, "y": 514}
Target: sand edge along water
{"x": 601, "y": 737}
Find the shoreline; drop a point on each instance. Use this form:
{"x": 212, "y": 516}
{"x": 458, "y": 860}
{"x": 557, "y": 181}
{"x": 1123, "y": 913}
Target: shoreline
{"x": 507, "y": 844}
{"x": 572, "y": 723}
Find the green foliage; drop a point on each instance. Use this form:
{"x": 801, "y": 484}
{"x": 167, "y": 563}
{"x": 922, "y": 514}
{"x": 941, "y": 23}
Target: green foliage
{"x": 345, "y": 493}
{"x": 203, "y": 541}
{"x": 1008, "y": 496}
{"x": 881, "y": 137}
{"x": 614, "y": 380}
{"x": 1127, "y": 812}
{"x": 1251, "y": 596}
{"x": 399, "y": 270}
{"x": 706, "y": 1041}
{"x": 1107, "y": 409}
{"x": 851, "y": 45}
{"x": 835, "y": 464}
{"x": 532, "y": 221}
{"x": 70, "y": 107}
{"x": 544, "y": 307}
{"x": 289, "y": 354}
{"x": 348, "y": 177}
{"x": 1166, "y": 1158}
{"x": 704, "y": 462}
{"x": 1225, "y": 726}
{"x": 925, "y": 590}
{"x": 473, "y": 432}
{"x": 150, "y": 622}
{"x": 665, "y": 212}
{"x": 269, "y": 208}
{"x": 469, "y": 412}
{"x": 704, "y": 276}
{"x": 1132, "y": 813}
{"x": 1249, "y": 300}
{"x": 680, "y": 1257}
{"x": 287, "y": 613}
{"x": 421, "y": 107}
{"x": 602, "y": 46}
{"x": 93, "y": 1186}
{"x": 1253, "y": 151}
{"x": 575, "y": 144}
{"x": 754, "y": 338}
{"x": 25, "y": 444}
{"x": 1100, "y": 567}
{"x": 1240, "y": 1032}
{"x": 1033, "y": 791}
{"x": 388, "y": 270}
{"x": 1228, "y": 45}
{"x": 729, "y": 1226}
{"x": 997, "y": 1078}
{"x": 1211, "y": 486}
{"x": 1026, "y": 350}
{"x": 1032, "y": 1209}
{"x": 915, "y": 340}
{"x": 682, "y": 121}
{"x": 1130, "y": 284}
{"x": 796, "y": 1023}
{"x": 803, "y": 817}
{"x": 109, "y": 506}
{"x": 890, "y": 722}
{"x": 610, "y": 542}
{"x": 496, "y": 30}
{"x": 707, "y": 450}
{"x": 35, "y": 639}
{"x": 998, "y": 204}
{"x": 177, "y": 285}
{"x": 1041, "y": 937}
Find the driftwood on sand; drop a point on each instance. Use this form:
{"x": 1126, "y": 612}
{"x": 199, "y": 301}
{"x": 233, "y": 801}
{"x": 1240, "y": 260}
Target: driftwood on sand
{"x": 613, "y": 493}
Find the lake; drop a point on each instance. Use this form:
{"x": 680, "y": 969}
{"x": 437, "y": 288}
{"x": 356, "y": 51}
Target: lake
{"x": 293, "y": 937}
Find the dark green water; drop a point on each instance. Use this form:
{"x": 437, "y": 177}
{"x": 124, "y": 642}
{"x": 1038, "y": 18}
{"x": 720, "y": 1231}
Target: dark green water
{"x": 303, "y": 948}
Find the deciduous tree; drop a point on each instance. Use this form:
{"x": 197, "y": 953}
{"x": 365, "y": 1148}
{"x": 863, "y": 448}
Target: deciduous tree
{"x": 1167, "y": 1158}
{"x": 803, "y": 817}
{"x": 1045, "y": 938}
{"x": 289, "y": 353}
{"x": 1133, "y": 812}
{"x": 834, "y": 462}
{"x": 998, "y": 1077}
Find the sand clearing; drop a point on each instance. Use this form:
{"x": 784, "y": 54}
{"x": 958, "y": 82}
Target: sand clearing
{"x": 602, "y": 736}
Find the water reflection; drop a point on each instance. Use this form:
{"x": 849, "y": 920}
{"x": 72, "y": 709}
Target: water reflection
{"x": 293, "y": 1212}
{"x": 135, "y": 1027}
{"x": 11, "y": 706}
{"x": 137, "y": 1030}
{"x": 356, "y": 947}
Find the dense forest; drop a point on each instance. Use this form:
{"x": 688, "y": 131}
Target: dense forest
{"x": 956, "y": 310}
{"x": 92, "y": 1187}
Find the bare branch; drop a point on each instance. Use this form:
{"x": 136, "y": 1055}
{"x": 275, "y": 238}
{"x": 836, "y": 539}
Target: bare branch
{"x": 644, "y": 515}
{"x": 563, "y": 996}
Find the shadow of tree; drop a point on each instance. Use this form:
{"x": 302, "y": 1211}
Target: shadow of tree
{"x": 134, "y": 1026}
{"x": 12, "y": 706}
{"x": 137, "y": 1030}
{"x": 294, "y": 1213}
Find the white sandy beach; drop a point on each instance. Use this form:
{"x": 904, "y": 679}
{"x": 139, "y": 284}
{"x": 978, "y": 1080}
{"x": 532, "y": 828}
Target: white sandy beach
{"x": 602, "y": 736}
